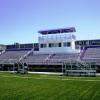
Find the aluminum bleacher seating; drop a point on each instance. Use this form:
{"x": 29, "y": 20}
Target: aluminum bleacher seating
{"x": 61, "y": 58}
{"x": 11, "y": 56}
{"x": 92, "y": 55}
{"x": 49, "y": 58}
{"x": 36, "y": 58}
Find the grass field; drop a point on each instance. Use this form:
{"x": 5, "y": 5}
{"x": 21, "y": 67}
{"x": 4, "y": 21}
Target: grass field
{"x": 48, "y": 87}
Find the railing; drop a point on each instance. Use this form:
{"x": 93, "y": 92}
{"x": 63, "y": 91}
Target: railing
{"x": 22, "y": 57}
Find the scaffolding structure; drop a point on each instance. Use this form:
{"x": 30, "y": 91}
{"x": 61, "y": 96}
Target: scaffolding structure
{"x": 79, "y": 68}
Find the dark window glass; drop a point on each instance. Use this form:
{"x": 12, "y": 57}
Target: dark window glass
{"x": 36, "y": 46}
{"x": 68, "y": 44}
{"x": 43, "y": 45}
{"x": 26, "y": 45}
{"x": 65, "y": 44}
{"x": 54, "y": 44}
{"x": 12, "y": 46}
{"x": 49, "y": 44}
{"x": 59, "y": 44}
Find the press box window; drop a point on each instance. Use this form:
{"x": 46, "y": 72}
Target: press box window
{"x": 59, "y": 44}
{"x": 43, "y": 45}
{"x": 67, "y": 44}
{"x": 54, "y": 44}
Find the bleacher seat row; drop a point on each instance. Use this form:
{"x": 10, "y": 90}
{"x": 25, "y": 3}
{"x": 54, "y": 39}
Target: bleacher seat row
{"x": 12, "y": 56}
{"x": 90, "y": 55}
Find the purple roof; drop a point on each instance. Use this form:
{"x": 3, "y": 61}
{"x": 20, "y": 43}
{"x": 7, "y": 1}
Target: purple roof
{"x": 60, "y": 30}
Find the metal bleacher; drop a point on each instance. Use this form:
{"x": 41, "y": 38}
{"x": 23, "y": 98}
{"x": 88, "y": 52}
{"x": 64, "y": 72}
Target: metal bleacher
{"x": 60, "y": 58}
{"x": 28, "y": 56}
{"x": 49, "y": 59}
{"x": 92, "y": 55}
{"x": 36, "y": 58}
{"x": 11, "y": 56}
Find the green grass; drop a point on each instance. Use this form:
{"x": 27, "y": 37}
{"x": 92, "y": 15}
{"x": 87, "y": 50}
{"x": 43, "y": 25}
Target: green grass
{"x": 48, "y": 87}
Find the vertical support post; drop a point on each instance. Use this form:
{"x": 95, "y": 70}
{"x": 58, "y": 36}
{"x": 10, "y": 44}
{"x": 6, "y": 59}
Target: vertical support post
{"x": 90, "y": 66}
{"x": 71, "y": 67}
{"x": 27, "y": 67}
{"x": 8, "y": 68}
{"x": 65, "y": 68}
{"x": 2, "y": 67}
{"x": 14, "y": 67}
{"x": 62, "y": 67}
{"x": 23, "y": 67}
{"x": 18, "y": 66}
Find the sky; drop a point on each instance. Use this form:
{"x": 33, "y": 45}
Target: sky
{"x": 20, "y": 20}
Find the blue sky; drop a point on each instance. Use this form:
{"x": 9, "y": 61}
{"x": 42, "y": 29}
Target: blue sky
{"x": 20, "y": 20}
